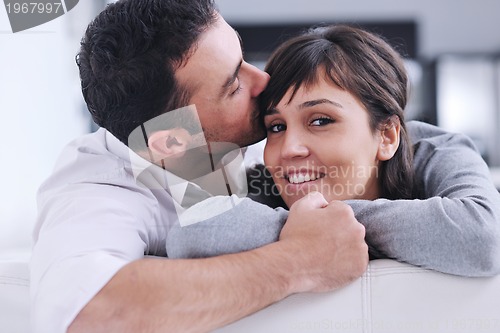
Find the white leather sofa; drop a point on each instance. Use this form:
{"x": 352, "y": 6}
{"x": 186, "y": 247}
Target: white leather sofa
{"x": 389, "y": 297}
{"x": 14, "y": 296}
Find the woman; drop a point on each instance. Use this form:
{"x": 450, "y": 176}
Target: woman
{"x": 334, "y": 117}
{"x": 333, "y": 110}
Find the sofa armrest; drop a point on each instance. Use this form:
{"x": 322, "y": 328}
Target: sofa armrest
{"x": 14, "y": 296}
{"x": 389, "y": 297}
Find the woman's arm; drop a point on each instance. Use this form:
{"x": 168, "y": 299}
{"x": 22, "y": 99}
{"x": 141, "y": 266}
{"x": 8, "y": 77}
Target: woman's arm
{"x": 455, "y": 226}
{"x": 247, "y": 226}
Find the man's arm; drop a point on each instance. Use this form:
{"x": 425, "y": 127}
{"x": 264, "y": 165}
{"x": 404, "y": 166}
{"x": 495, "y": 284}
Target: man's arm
{"x": 198, "y": 295}
{"x": 455, "y": 227}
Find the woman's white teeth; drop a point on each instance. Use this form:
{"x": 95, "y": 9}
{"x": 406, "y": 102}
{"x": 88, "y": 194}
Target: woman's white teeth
{"x": 301, "y": 178}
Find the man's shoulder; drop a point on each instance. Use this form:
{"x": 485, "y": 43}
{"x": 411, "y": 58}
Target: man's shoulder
{"x": 88, "y": 159}
{"x": 96, "y": 143}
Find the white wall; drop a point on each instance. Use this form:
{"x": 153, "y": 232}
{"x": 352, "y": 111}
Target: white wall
{"x": 444, "y": 25}
{"x": 40, "y": 112}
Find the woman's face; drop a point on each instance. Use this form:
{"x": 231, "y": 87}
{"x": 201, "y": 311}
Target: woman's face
{"x": 322, "y": 141}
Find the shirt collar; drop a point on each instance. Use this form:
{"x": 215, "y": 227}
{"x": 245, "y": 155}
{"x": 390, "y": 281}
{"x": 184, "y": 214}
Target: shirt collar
{"x": 152, "y": 176}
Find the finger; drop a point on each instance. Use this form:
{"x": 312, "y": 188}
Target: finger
{"x": 341, "y": 207}
{"x": 316, "y": 199}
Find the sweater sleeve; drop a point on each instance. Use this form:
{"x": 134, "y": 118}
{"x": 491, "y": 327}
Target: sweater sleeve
{"x": 454, "y": 227}
{"x": 248, "y": 225}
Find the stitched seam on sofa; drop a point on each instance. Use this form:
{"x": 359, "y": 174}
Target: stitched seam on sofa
{"x": 399, "y": 272}
{"x": 5, "y": 280}
{"x": 366, "y": 301}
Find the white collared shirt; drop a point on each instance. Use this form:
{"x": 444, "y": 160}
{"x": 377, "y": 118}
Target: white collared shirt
{"x": 211, "y": 194}
{"x": 99, "y": 211}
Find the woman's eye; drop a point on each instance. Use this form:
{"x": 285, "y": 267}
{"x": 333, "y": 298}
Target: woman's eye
{"x": 276, "y": 128}
{"x": 321, "y": 121}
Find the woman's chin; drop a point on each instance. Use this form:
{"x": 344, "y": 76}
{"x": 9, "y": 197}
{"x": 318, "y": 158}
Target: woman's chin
{"x": 329, "y": 197}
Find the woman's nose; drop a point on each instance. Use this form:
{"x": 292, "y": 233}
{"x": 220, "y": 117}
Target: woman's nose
{"x": 293, "y": 146}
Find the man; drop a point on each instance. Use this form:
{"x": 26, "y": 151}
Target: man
{"x": 141, "y": 59}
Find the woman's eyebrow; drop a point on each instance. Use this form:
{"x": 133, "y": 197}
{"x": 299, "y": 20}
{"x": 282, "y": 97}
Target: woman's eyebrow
{"x": 271, "y": 111}
{"x": 315, "y": 102}
{"x": 307, "y": 104}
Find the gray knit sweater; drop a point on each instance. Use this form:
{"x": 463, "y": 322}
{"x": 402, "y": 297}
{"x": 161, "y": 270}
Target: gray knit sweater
{"x": 453, "y": 227}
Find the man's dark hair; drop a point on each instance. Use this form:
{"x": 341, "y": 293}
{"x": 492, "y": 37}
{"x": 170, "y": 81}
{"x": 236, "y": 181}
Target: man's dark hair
{"x": 361, "y": 63}
{"x": 129, "y": 55}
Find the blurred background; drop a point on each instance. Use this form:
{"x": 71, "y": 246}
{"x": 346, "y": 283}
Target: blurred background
{"x": 451, "y": 47}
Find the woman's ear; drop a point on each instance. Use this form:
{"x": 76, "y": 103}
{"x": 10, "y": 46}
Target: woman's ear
{"x": 389, "y": 139}
{"x": 171, "y": 143}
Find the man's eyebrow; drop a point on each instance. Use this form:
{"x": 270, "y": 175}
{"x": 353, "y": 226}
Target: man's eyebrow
{"x": 231, "y": 79}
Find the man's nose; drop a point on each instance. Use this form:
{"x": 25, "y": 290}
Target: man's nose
{"x": 260, "y": 80}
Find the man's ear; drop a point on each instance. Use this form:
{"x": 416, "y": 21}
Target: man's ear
{"x": 171, "y": 143}
{"x": 389, "y": 139}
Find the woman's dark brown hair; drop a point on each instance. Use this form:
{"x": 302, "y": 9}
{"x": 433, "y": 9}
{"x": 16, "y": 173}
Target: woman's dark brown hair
{"x": 361, "y": 63}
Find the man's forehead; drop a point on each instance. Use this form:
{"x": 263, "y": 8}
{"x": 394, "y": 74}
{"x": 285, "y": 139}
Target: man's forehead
{"x": 215, "y": 57}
